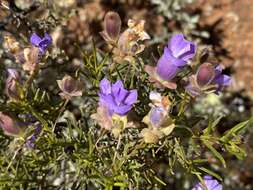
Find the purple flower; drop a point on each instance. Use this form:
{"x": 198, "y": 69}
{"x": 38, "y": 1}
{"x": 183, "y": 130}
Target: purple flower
{"x": 209, "y": 78}
{"x": 117, "y": 99}
{"x": 175, "y": 56}
{"x": 41, "y": 43}
{"x": 212, "y": 184}
{"x": 11, "y": 85}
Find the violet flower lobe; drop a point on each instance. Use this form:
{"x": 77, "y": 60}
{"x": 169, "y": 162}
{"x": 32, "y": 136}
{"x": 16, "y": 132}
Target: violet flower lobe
{"x": 175, "y": 56}
{"x": 220, "y": 79}
{"x": 116, "y": 98}
{"x": 211, "y": 184}
{"x": 41, "y": 43}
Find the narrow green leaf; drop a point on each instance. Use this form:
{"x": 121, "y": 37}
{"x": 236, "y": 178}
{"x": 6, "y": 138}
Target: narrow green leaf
{"x": 236, "y": 130}
{"x": 210, "y": 173}
{"x": 212, "y": 125}
{"x": 215, "y": 152}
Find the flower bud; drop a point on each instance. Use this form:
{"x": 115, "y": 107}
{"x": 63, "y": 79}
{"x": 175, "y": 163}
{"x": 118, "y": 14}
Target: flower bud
{"x": 205, "y": 74}
{"x": 112, "y": 25}
{"x": 9, "y": 126}
{"x": 69, "y": 87}
{"x": 11, "y": 85}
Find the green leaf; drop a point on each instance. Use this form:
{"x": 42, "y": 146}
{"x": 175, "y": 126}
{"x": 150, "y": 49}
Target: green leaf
{"x": 236, "y": 130}
{"x": 236, "y": 150}
{"x": 212, "y": 125}
{"x": 210, "y": 173}
{"x": 215, "y": 152}
{"x": 198, "y": 174}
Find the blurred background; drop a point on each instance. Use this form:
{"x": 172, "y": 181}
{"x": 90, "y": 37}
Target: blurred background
{"x": 224, "y": 25}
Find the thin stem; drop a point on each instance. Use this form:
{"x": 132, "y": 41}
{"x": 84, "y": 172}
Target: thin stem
{"x": 100, "y": 137}
{"x": 61, "y": 111}
{"x": 116, "y": 151}
{"x": 30, "y": 79}
{"x": 41, "y": 119}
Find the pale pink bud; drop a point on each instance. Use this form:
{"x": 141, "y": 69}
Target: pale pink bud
{"x": 9, "y": 126}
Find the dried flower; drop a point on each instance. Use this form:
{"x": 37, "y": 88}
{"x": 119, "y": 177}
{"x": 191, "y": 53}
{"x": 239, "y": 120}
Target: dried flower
{"x": 103, "y": 118}
{"x": 211, "y": 184}
{"x": 69, "y": 87}
{"x": 11, "y": 84}
{"x": 129, "y": 41}
{"x": 41, "y": 43}
{"x": 114, "y": 123}
{"x": 10, "y": 126}
{"x": 209, "y": 78}
{"x": 174, "y": 57}
{"x": 151, "y": 135}
{"x": 10, "y": 44}
{"x": 116, "y": 98}
{"x": 112, "y": 27}
{"x": 30, "y": 59}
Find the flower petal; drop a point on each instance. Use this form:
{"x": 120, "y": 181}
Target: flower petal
{"x": 182, "y": 48}
{"x": 121, "y": 96}
{"x": 35, "y": 39}
{"x": 45, "y": 42}
{"x": 105, "y": 86}
{"x": 166, "y": 69}
{"x": 116, "y": 88}
{"x": 122, "y": 110}
{"x": 131, "y": 98}
{"x": 156, "y": 115}
{"x": 223, "y": 80}
{"x": 172, "y": 59}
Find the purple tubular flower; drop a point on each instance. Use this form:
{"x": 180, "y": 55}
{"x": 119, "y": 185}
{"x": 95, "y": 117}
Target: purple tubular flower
{"x": 175, "y": 56}
{"x": 41, "y": 43}
{"x": 212, "y": 184}
{"x": 117, "y": 99}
